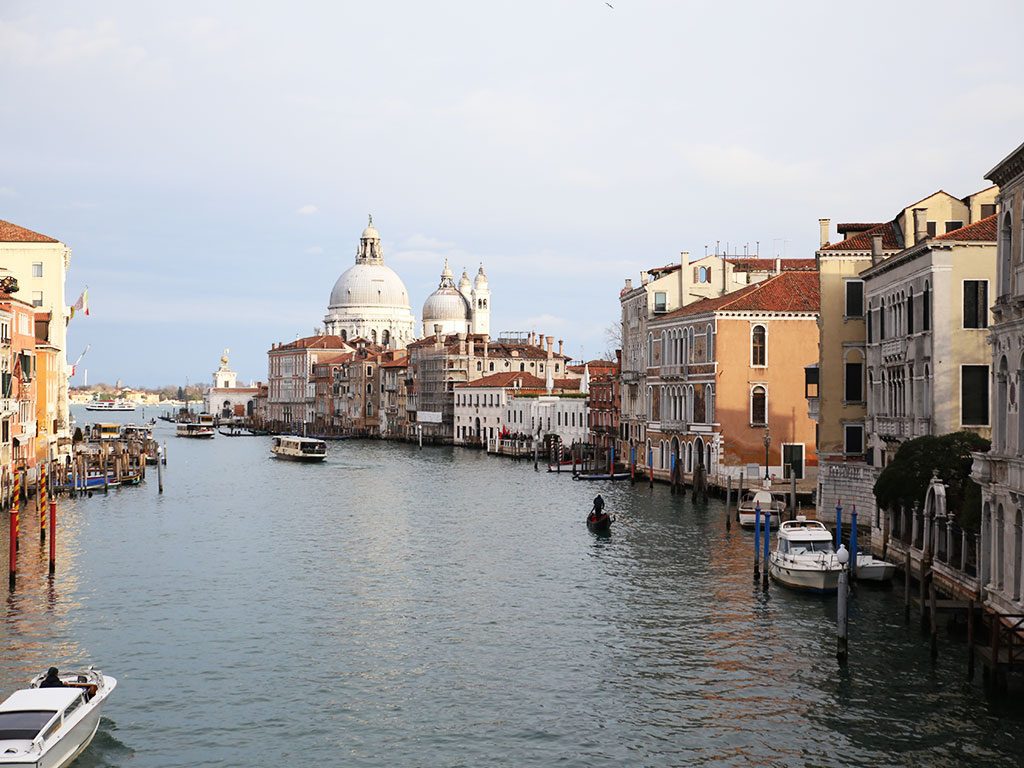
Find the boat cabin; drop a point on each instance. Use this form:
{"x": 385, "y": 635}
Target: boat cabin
{"x": 804, "y": 537}
{"x": 100, "y": 431}
{"x": 35, "y": 715}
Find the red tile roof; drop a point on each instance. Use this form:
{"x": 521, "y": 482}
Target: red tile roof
{"x": 505, "y": 379}
{"x": 785, "y": 292}
{"x": 12, "y": 233}
{"x": 862, "y": 242}
{"x": 314, "y": 342}
{"x": 983, "y": 230}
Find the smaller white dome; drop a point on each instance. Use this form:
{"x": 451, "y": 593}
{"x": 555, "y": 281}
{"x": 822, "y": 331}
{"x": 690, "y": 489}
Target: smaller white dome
{"x": 481, "y": 278}
{"x": 443, "y": 305}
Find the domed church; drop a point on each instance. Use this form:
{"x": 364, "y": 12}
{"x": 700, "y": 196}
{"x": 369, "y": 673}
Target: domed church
{"x": 462, "y": 309}
{"x": 369, "y": 300}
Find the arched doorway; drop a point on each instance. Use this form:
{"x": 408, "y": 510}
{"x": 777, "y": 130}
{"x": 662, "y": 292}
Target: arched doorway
{"x": 698, "y": 451}
{"x": 225, "y": 410}
{"x": 675, "y": 449}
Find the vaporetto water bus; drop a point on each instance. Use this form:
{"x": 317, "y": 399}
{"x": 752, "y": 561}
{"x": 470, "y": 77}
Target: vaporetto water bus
{"x": 299, "y": 449}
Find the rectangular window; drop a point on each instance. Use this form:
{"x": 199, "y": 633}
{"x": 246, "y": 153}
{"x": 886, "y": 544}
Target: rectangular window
{"x": 974, "y": 395}
{"x": 988, "y": 209}
{"x": 854, "y": 298}
{"x": 952, "y": 226}
{"x": 37, "y": 298}
{"x": 853, "y": 439}
{"x": 811, "y": 381}
{"x": 854, "y": 389}
{"x": 793, "y": 460}
{"x": 932, "y": 229}
{"x": 975, "y": 303}
{"x": 37, "y": 269}
{"x": 660, "y": 301}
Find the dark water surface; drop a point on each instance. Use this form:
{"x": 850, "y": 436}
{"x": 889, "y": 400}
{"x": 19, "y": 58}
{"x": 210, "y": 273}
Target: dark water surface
{"x": 398, "y": 607}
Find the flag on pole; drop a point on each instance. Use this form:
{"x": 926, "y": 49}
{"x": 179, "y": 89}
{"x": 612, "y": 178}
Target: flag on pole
{"x": 82, "y": 305}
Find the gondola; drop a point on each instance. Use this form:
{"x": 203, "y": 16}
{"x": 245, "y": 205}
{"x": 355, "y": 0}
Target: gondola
{"x": 599, "y": 523}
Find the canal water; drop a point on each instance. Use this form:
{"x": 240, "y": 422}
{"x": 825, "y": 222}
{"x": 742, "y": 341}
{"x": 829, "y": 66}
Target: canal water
{"x": 399, "y": 607}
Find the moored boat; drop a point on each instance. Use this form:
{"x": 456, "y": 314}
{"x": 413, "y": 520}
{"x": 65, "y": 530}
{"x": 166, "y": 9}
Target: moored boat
{"x": 43, "y": 727}
{"x": 872, "y": 569}
{"x": 766, "y": 501}
{"x": 119, "y": 404}
{"x": 299, "y": 448}
{"x": 804, "y": 557}
{"x": 601, "y": 476}
{"x": 195, "y": 430}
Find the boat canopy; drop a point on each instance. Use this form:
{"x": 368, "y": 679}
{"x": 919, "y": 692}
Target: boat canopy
{"x": 56, "y": 699}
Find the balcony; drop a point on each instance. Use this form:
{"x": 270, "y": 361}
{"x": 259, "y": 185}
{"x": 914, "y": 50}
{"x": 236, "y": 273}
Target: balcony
{"x": 891, "y": 426}
{"x": 673, "y": 371}
{"x": 893, "y": 349}
{"x": 630, "y": 377}
{"x": 674, "y": 425}
{"x": 813, "y": 408}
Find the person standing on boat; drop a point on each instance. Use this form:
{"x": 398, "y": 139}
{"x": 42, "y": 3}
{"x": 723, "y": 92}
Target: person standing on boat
{"x": 52, "y": 679}
{"x": 598, "y": 505}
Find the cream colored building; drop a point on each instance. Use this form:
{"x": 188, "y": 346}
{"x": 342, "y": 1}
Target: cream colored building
{"x": 837, "y": 386}
{"x": 928, "y": 357}
{"x": 40, "y": 263}
{"x": 1001, "y": 471}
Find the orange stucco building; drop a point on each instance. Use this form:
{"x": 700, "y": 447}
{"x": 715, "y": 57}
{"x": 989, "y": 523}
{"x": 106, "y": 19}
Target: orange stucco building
{"x": 727, "y": 373}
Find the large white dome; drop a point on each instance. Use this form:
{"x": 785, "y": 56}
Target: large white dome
{"x": 369, "y": 285}
{"x": 445, "y": 304}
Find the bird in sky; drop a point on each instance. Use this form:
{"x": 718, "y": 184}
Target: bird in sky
{"x": 610, "y": 6}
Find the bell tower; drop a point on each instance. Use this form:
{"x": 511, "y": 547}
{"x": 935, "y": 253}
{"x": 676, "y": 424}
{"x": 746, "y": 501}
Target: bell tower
{"x": 481, "y": 303}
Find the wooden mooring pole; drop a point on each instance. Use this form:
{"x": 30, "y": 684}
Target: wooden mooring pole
{"x": 970, "y": 640}
{"x": 159, "y": 470}
{"x": 728, "y": 503}
{"x": 757, "y": 541}
{"x": 906, "y": 586}
{"x": 765, "y": 554}
{"x": 934, "y": 622}
{"x": 13, "y": 562}
{"x": 53, "y": 537}
{"x": 842, "y": 623}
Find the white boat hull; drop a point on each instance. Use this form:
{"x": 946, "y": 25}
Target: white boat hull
{"x": 300, "y": 457}
{"x": 870, "y": 569}
{"x": 803, "y": 577}
{"x": 748, "y": 520}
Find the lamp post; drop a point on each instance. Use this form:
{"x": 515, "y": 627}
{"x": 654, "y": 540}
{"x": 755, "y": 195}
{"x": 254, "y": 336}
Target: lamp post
{"x": 767, "y": 444}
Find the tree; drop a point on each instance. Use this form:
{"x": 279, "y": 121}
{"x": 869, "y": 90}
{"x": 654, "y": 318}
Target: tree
{"x": 905, "y": 481}
{"x": 612, "y": 340}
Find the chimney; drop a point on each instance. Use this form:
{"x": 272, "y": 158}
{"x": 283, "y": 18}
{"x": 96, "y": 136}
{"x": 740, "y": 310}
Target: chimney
{"x": 472, "y": 347}
{"x": 559, "y": 346}
{"x": 876, "y": 249}
{"x": 778, "y": 266}
{"x": 550, "y": 340}
{"x": 629, "y": 284}
{"x": 920, "y": 225}
{"x": 823, "y": 227}
{"x": 437, "y": 334}
{"x": 487, "y": 344}
{"x": 462, "y": 342}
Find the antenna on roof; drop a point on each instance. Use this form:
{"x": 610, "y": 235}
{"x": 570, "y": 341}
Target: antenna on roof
{"x": 757, "y": 248}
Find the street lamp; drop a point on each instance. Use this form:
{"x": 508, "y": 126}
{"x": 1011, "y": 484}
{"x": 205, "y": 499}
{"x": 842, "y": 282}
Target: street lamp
{"x": 767, "y": 444}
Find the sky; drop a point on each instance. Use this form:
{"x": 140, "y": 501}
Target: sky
{"x": 211, "y": 165}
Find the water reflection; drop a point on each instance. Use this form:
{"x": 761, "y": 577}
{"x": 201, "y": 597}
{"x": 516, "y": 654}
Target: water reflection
{"x": 403, "y": 607}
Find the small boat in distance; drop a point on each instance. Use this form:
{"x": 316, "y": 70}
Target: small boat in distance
{"x": 768, "y": 502}
{"x": 195, "y": 430}
{"x": 52, "y": 726}
{"x": 599, "y": 522}
{"x": 804, "y": 557}
{"x": 120, "y": 404}
{"x": 299, "y": 448}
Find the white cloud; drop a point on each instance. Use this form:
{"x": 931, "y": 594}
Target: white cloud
{"x": 308, "y": 210}
{"x": 738, "y": 166}
{"x": 424, "y": 242}
{"x": 314, "y": 250}
{"x": 8, "y": 192}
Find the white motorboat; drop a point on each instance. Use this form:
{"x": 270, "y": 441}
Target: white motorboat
{"x": 768, "y": 502}
{"x": 299, "y": 448}
{"x": 872, "y": 569}
{"x": 50, "y": 727}
{"x": 195, "y": 430}
{"x": 804, "y": 557}
{"x": 120, "y": 404}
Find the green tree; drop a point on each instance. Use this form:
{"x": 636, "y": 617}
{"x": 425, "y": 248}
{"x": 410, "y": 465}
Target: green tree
{"x": 905, "y": 480}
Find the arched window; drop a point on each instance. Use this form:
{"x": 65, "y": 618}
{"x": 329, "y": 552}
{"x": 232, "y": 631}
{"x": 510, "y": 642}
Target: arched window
{"x": 758, "y": 346}
{"x": 385, "y": 337}
{"x": 709, "y": 404}
{"x": 1018, "y": 546}
{"x": 853, "y": 376}
{"x": 910, "y": 311}
{"x": 1002, "y": 415}
{"x": 758, "y": 406}
{"x": 373, "y": 336}
{"x": 1005, "y": 255}
{"x": 926, "y": 308}
{"x": 344, "y": 335}
{"x": 710, "y": 344}
{"x": 999, "y": 542}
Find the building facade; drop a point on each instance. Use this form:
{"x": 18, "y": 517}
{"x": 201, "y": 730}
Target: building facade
{"x": 225, "y": 399}
{"x": 726, "y": 384}
{"x": 1000, "y": 473}
{"x": 452, "y": 309}
{"x": 291, "y": 393}
{"x": 837, "y": 387}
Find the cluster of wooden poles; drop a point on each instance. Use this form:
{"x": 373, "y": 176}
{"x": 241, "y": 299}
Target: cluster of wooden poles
{"x": 46, "y": 506}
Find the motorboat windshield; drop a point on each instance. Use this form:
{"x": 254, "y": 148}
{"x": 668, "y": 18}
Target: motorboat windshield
{"x": 24, "y": 725}
{"x": 806, "y": 546}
